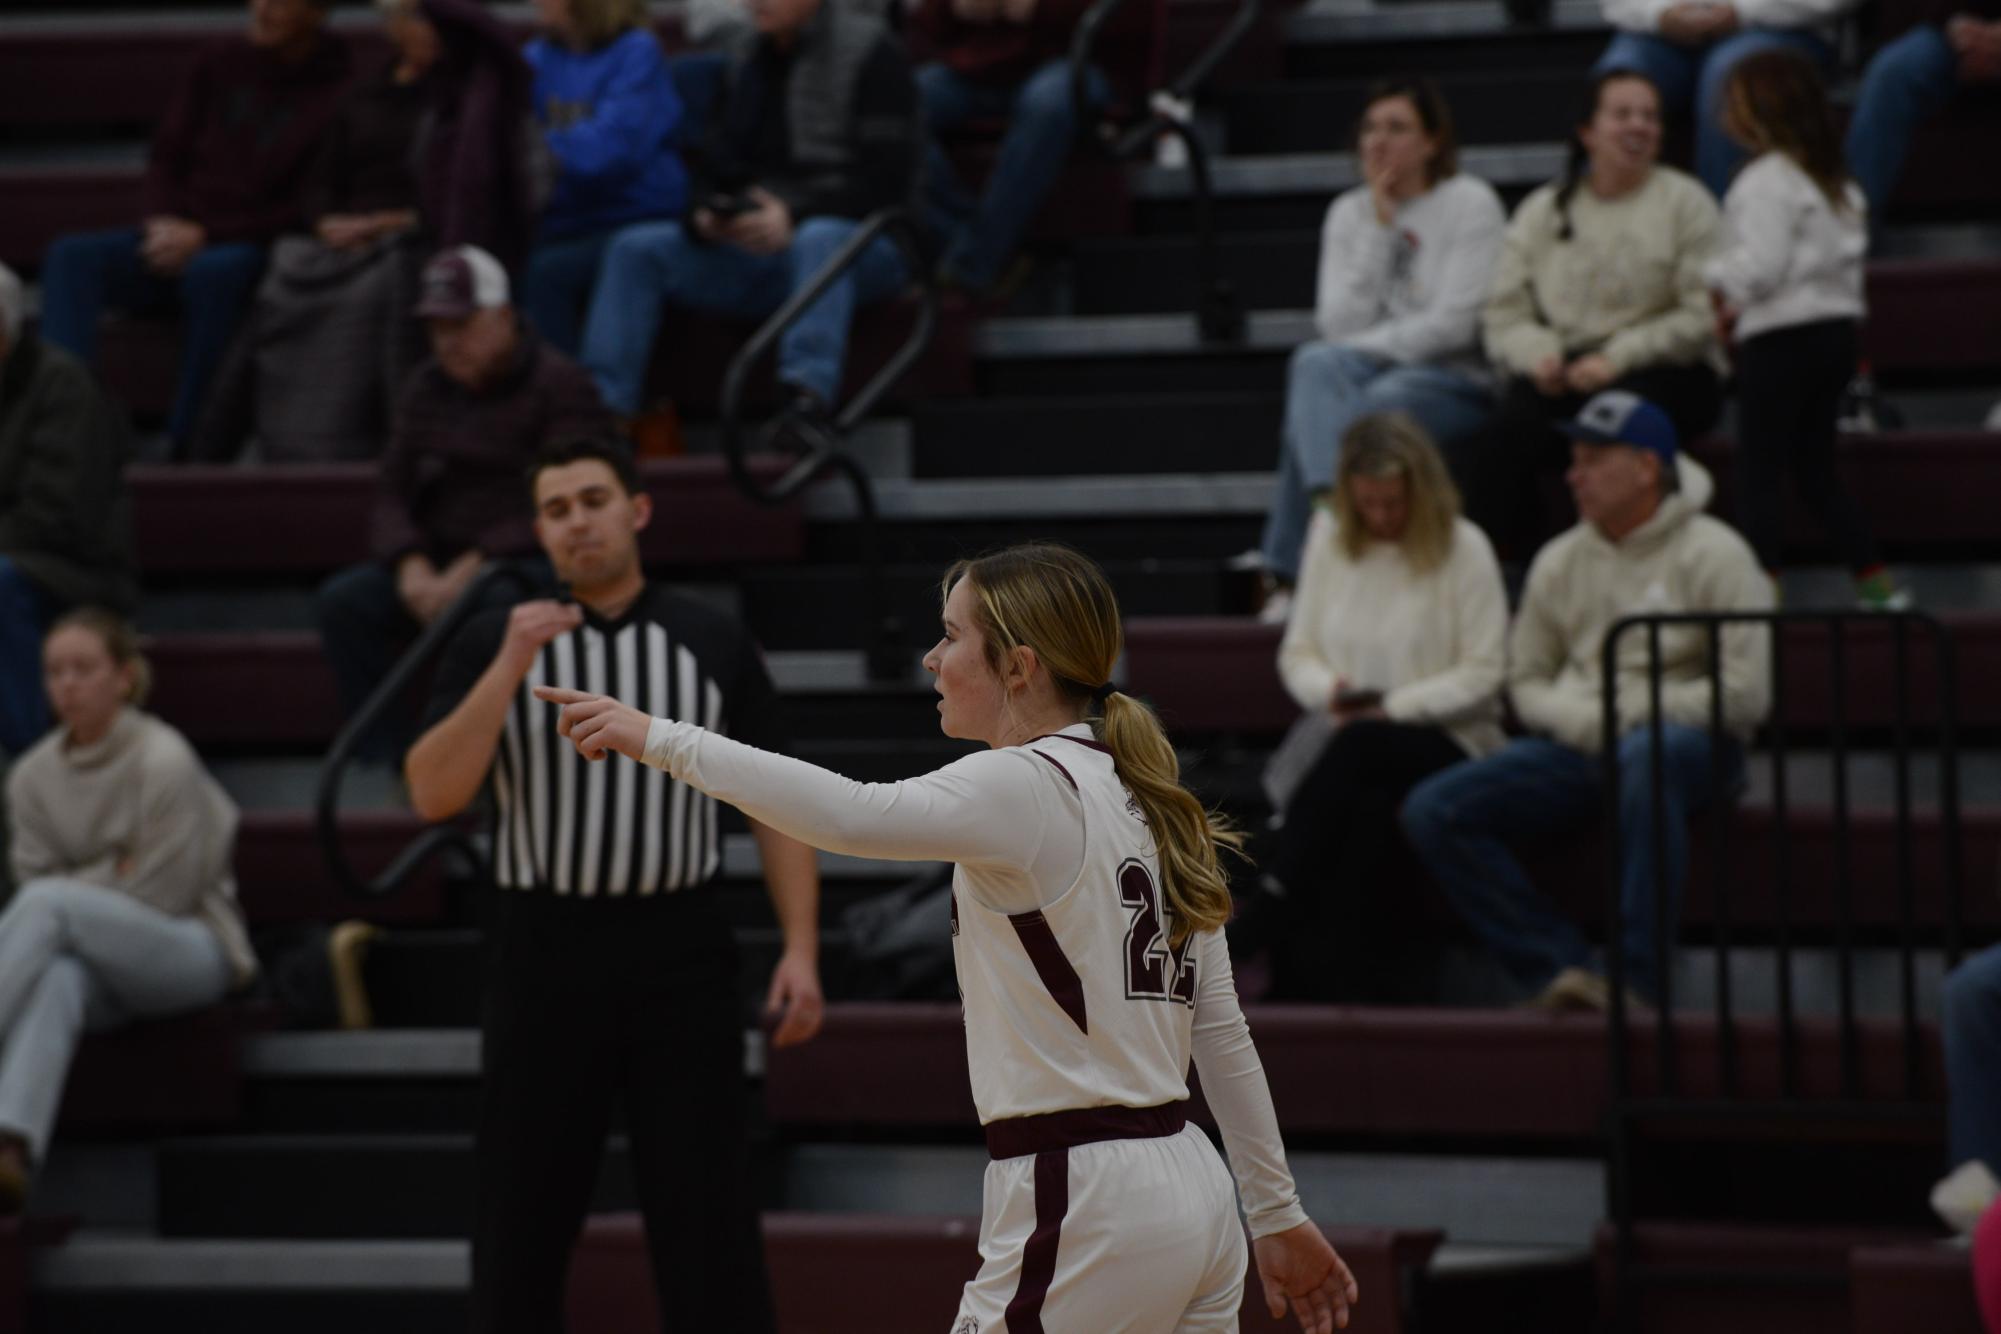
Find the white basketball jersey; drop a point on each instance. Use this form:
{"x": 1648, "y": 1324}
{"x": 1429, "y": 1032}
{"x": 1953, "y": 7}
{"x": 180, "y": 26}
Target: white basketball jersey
{"x": 1081, "y": 1003}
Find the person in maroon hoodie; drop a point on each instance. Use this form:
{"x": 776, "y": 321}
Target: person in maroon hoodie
{"x": 228, "y": 169}
{"x": 998, "y": 60}
{"x": 451, "y": 500}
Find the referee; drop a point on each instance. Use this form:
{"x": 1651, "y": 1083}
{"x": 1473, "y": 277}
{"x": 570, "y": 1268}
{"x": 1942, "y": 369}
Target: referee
{"x": 611, "y": 970}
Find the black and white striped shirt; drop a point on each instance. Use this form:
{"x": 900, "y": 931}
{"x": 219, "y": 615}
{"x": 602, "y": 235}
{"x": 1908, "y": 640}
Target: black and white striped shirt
{"x": 569, "y": 826}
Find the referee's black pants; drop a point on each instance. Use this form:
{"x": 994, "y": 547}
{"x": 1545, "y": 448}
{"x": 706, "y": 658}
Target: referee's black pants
{"x": 588, "y": 1001}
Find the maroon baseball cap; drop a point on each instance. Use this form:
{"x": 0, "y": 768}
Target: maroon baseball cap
{"x": 458, "y": 282}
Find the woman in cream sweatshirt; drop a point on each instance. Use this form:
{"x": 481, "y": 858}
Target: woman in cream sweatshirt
{"x": 121, "y": 848}
{"x": 1397, "y": 635}
{"x": 1600, "y": 287}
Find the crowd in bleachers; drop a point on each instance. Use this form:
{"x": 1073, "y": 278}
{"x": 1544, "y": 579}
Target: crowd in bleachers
{"x": 455, "y": 258}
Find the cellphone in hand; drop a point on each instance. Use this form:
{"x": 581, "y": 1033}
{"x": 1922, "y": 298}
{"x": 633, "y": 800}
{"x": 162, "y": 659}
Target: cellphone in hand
{"x": 1357, "y": 697}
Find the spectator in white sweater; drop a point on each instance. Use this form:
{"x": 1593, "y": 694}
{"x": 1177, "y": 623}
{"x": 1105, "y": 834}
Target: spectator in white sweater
{"x": 1397, "y": 638}
{"x": 1788, "y": 281}
{"x": 1405, "y": 262}
{"x": 1600, "y": 286}
{"x": 121, "y": 845}
{"x": 1687, "y": 48}
{"x": 1643, "y": 545}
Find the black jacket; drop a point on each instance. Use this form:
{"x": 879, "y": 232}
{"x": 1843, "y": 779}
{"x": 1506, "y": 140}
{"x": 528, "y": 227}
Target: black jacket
{"x": 65, "y": 518}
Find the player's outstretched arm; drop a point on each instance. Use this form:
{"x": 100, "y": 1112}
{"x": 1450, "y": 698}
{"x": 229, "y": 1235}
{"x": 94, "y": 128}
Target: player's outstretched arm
{"x": 597, "y": 724}
{"x": 1299, "y": 1267}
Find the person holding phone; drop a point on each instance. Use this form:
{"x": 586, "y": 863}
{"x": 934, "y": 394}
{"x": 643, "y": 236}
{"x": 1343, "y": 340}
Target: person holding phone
{"x": 1397, "y": 639}
{"x": 816, "y": 127}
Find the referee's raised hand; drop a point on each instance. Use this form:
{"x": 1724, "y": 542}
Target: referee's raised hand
{"x": 597, "y": 724}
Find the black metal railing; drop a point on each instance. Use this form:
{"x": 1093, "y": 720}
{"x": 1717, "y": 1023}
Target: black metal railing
{"x": 1219, "y": 313}
{"x": 820, "y": 452}
{"x": 1671, "y": 1099}
{"x": 390, "y": 695}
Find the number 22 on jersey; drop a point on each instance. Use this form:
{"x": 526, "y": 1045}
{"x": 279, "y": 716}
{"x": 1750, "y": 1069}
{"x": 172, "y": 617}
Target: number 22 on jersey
{"x": 1154, "y": 971}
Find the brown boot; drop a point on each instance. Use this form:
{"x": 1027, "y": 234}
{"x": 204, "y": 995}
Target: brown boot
{"x": 13, "y": 1176}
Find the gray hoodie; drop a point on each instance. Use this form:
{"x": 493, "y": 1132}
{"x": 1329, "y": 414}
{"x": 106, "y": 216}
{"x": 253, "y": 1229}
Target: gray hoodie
{"x": 1679, "y": 560}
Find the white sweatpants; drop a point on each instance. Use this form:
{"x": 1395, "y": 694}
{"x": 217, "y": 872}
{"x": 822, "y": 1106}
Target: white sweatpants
{"x": 1125, "y": 1236}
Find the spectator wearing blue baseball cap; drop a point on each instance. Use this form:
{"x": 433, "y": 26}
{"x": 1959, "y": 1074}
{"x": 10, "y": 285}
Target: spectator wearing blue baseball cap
{"x": 1642, "y": 544}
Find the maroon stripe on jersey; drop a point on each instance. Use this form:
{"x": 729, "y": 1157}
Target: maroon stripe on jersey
{"x": 1059, "y": 768}
{"x": 1038, "y": 1257}
{"x": 1059, "y": 736}
{"x": 1065, "y": 987}
{"x": 1017, "y": 1136}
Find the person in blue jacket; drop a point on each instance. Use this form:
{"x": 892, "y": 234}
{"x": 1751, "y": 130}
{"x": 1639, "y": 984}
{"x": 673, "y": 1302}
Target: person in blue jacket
{"x": 607, "y": 108}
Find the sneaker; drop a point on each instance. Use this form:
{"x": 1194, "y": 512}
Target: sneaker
{"x": 1879, "y": 592}
{"x": 805, "y": 426}
{"x": 1573, "y": 990}
{"x": 1276, "y": 609}
{"x": 1581, "y": 991}
{"x": 1965, "y": 1193}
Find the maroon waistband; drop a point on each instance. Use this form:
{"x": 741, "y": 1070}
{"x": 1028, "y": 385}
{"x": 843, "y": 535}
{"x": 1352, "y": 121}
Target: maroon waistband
{"x": 1020, "y": 1135}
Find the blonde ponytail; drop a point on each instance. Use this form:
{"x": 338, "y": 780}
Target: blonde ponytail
{"x": 1186, "y": 836}
{"x": 1057, "y": 601}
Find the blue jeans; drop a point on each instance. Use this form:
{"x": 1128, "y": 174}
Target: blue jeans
{"x": 1691, "y": 81}
{"x": 556, "y": 286}
{"x": 87, "y": 273}
{"x": 1327, "y": 387}
{"x": 1460, "y": 822}
{"x": 25, "y": 613}
{"x": 660, "y": 263}
{"x": 1041, "y": 123}
{"x": 1973, "y": 1059}
{"x": 1906, "y": 83}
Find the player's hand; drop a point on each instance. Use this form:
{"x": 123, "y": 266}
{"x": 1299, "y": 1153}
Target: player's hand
{"x": 1297, "y": 1266}
{"x": 597, "y": 725}
{"x": 794, "y": 1000}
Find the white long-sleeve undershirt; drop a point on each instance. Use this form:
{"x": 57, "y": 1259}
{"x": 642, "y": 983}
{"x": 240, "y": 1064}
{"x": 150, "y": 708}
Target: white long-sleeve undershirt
{"x": 1015, "y": 828}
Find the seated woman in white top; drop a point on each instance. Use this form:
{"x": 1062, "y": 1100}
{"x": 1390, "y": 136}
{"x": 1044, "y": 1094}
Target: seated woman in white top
{"x": 1398, "y": 639}
{"x": 1406, "y": 259}
{"x": 121, "y": 846}
{"x": 1086, "y": 904}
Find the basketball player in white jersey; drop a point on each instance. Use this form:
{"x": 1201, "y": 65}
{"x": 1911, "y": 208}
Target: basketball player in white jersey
{"x": 1087, "y": 902}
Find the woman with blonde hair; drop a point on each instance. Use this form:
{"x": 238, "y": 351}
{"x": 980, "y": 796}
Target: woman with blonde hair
{"x": 1085, "y": 906}
{"x": 1397, "y": 643}
{"x": 608, "y": 109}
{"x": 121, "y": 847}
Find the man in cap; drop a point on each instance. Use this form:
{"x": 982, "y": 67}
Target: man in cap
{"x": 467, "y": 423}
{"x": 1642, "y": 545}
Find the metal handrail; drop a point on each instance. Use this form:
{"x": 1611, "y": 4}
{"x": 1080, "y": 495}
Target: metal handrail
{"x": 822, "y": 451}
{"x": 1219, "y": 313}
{"x": 326, "y": 805}
{"x": 1625, "y": 1107}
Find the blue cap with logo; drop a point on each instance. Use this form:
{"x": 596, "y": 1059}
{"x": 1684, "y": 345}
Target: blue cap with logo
{"x": 1616, "y": 417}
